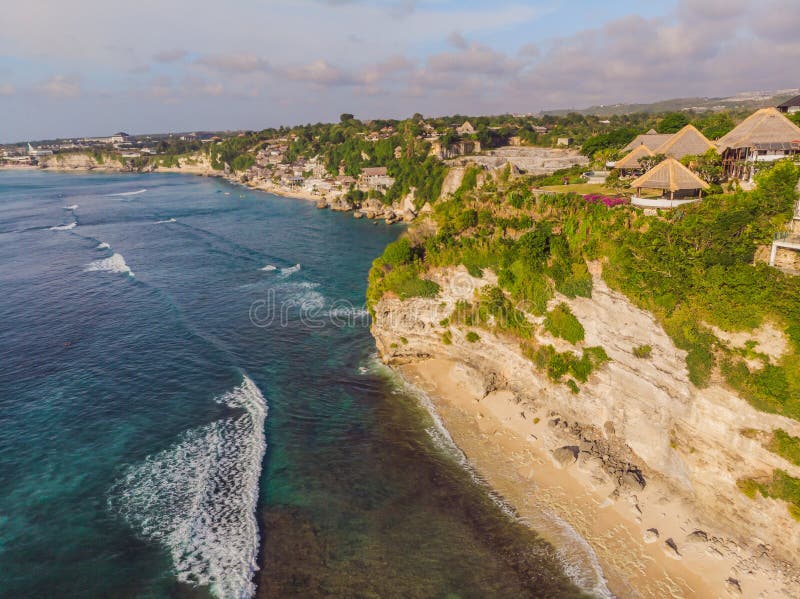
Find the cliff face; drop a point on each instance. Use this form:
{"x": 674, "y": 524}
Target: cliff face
{"x": 80, "y": 161}
{"x": 638, "y": 423}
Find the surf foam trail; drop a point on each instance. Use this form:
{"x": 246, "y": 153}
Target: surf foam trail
{"x": 114, "y": 263}
{"x": 290, "y": 270}
{"x": 198, "y": 498}
{"x": 66, "y": 227}
{"x": 127, "y": 193}
{"x": 161, "y": 222}
{"x": 71, "y": 207}
{"x": 269, "y": 268}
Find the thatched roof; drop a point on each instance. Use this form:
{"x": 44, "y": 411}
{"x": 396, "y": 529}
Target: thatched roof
{"x": 687, "y": 141}
{"x": 669, "y": 175}
{"x": 631, "y": 159}
{"x": 766, "y": 125}
{"x": 651, "y": 140}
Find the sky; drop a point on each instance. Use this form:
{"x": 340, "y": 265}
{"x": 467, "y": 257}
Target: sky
{"x": 94, "y": 67}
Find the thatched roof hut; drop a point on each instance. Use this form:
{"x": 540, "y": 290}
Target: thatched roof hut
{"x": 630, "y": 162}
{"x": 672, "y": 177}
{"x": 764, "y": 136}
{"x": 686, "y": 142}
{"x": 651, "y": 140}
{"x": 765, "y": 126}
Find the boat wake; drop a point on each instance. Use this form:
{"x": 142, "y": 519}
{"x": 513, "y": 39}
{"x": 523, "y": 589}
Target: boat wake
{"x": 126, "y": 193}
{"x": 169, "y": 220}
{"x": 114, "y": 263}
{"x": 198, "y": 498}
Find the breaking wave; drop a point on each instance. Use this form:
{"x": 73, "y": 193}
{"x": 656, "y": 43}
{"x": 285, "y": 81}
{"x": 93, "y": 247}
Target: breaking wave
{"x": 198, "y": 498}
{"x": 72, "y": 207}
{"x": 127, "y": 193}
{"x": 269, "y": 268}
{"x": 114, "y": 263}
{"x": 66, "y": 227}
{"x": 103, "y": 246}
{"x": 290, "y": 270}
{"x": 169, "y": 220}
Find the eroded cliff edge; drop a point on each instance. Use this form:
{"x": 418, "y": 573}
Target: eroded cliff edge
{"x": 639, "y": 438}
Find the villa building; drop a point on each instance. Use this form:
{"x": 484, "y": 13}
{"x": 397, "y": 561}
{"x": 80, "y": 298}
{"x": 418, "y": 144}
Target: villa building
{"x": 765, "y": 136}
{"x": 677, "y": 183}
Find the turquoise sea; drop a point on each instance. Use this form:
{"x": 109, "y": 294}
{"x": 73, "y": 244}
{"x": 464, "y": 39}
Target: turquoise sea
{"x": 190, "y": 406}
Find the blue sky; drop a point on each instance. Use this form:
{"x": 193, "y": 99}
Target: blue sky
{"x": 92, "y": 67}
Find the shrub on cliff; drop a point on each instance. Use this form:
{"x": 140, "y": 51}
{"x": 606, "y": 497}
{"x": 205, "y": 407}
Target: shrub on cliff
{"x": 561, "y": 322}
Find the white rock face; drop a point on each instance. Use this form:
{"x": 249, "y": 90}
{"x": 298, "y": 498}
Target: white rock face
{"x": 643, "y": 412}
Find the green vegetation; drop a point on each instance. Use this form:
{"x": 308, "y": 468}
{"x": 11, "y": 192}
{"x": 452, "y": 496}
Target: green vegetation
{"x": 472, "y": 337}
{"x": 672, "y": 122}
{"x": 447, "y": 338}
{"x": 643, "y": 351}
{"x": 785, "y": 445}
{"x": 780, "y": 486}
{"x": 558, "y": 364}
{"x": 562, "y": 323}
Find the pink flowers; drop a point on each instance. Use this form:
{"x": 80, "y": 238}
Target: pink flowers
{"x": 609, "y": 201}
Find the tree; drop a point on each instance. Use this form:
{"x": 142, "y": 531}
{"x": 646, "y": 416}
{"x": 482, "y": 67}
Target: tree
{"x": 708, "y": 166}
{"x": 345, "y": 117}
{"x": 672, "y": 123}
{"x": 648, "y": 162}
{"x": 716, "y": 125}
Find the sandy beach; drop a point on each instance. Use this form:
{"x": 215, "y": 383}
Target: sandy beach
{"x": 501, "y": 439}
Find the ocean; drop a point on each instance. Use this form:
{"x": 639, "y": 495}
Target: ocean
{"x": 191, "y": 406}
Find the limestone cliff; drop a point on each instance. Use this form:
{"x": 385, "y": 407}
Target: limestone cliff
{"x": 638, "y": 423}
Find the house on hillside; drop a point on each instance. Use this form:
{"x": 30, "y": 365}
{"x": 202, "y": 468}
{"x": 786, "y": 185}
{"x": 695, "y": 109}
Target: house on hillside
{"x": 790, "y": 106}
{"x": 678, "y": 186}
{"x": 564, "y": 141}
{"x": 764, "y": 136}
{"x": 465, "y": 129}
{"x": 376, "y": 177}
{"x": 651, "y": 139}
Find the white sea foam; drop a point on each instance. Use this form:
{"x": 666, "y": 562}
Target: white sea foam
{"x": 66, "y": 227}
{"x": 103, "y": 246}
{"x": 169, "y": 220}
{"x": 127, "y": 193}
{"x": 72, "y": 207}
{"x": 269, "y": 268}
{"x": 114, "y": 263}
{"x": 304, "y": 295}
{"x": 198, "y": 498}
{"x": 290, "y": 270}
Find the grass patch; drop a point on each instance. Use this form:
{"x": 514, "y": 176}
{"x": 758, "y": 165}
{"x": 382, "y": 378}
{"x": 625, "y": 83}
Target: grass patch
{"x": 782, "y": 486}
{"x": 447, "y": 338}
{"x": 562, "y": 323}
{"x": 785, "y": 445}
{"x": 473, "y": 337}
{"x": 643, "y": 351}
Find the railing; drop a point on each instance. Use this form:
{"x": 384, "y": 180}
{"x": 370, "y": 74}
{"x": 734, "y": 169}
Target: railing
{"x": 661, "y": 202}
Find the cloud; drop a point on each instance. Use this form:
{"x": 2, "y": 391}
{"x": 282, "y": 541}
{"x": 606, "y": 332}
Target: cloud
{"x": 60, "y": 86}
{"x": 234, "y": 63}
{"x": 168, "y": 56}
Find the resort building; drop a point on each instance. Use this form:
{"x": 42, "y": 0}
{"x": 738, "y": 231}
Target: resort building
{"x": 790, "y": 106}
{"x": 686, "y": 142}
{"x": 651, "y": 140}
{"x": 465, "y": 129}
{"x": 629, "y": 165}
{"x": 678, "y": 185}
{"x": 764, "y": 136}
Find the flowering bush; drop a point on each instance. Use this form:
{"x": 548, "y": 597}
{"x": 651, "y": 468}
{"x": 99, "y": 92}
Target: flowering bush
{"x": 610, "y": 201}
